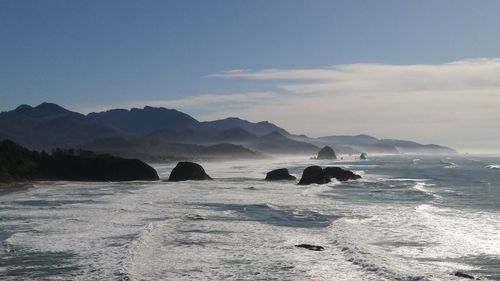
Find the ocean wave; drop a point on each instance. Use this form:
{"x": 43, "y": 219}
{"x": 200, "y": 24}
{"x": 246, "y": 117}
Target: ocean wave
{"x": 358, "y": 249}
{"x": 406, "y": 179}
{"x": 492, "y": 166}
{"x": 449, "y": 164}
{"x": 316, "y": 189}
{"x": 422, "y": 187}
{"x": 435, "y": 236}
{"x": 459, "y": 231}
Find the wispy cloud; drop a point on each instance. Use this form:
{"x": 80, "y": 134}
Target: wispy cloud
{"x": 459, "y": 75}
{"x": 454, "y": 102}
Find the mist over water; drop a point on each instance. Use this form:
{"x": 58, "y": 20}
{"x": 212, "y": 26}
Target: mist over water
{"x": 409, "y": 218}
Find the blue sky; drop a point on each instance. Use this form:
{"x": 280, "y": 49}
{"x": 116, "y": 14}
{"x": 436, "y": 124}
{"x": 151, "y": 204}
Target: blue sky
{"x": 92, "y": 55}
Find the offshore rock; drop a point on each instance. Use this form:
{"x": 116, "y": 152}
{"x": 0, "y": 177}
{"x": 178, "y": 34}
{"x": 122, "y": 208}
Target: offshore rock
{"x": 310, "y": 247}
{"x": 463, "y": 275}
{"x": 340, "y": 174}
{"x": 314, "y": 174}
{"x": 188, "y": 171}
{"x": 326, "y": 153}
{"x": 279, "y": 174}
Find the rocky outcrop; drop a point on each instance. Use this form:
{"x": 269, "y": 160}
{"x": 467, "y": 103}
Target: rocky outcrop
{"x": 20, "y": 164}
{"x": 279, "y": 174}
{"x": 340, "y": 174}
{"x": 310, "y": 247}
{"x": 463, "y": 275}
{"x": 363, "y": 156}
{"x": 314, "y": 174}
{"x": 326, "y": 153}
{"x": 188, "y": 171}
{"x": 95, "y": 168}
{"x": 318, "y": 175}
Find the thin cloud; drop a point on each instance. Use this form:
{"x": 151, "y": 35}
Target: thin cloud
{"x": 450, "y": 103}
{"x": 453, "y": 103}
{"x": 458, "y": 75}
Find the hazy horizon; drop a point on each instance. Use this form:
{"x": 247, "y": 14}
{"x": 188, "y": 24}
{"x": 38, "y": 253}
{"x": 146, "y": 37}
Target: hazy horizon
{"x": 424, "y": 71}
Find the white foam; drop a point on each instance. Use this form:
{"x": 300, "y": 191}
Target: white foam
{"x": 449, "y": 164}
{"x": 495, "y": 167}
{"x": 175, "y": 233}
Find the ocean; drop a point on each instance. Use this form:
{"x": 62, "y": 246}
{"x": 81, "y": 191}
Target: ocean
{"x": 410, "y": 217}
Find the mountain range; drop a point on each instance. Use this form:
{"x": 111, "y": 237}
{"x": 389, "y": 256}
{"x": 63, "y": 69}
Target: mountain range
{"x": 155, "y": 133}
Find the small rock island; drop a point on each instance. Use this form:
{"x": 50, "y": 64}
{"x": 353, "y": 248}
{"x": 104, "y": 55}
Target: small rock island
{"x": 184, "y": 171}
{"x": 318, "y": 175}
{"x": 326, "y": 153}
{"x": 314, "y": 174}
{"x": 279, "y": 174}
{"x": 340, "y": 174}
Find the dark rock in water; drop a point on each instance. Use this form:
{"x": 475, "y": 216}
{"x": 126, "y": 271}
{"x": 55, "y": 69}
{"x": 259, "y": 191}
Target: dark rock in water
{"x": 326, "y": 153}
{"x": 363, "y": 156}
{"x": 310, "y": 247}
{"x": 188, "y": 171}
{"x": 195, "y": 217}
{"x": 279, "y": 174}
{"x": 463, "y": 275}
{"x": 340, "y": 174}
{"x": 314, "y": 174}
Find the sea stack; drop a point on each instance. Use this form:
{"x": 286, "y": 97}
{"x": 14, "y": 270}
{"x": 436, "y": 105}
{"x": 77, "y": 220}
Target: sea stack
{"x": 279, "y": 174}
{"x": 188, "y": 171}
{"x": 363, "y": 156}
{"x": 340, "y": 174}
{"x": 327, "y": 153}
{"x": 314, "y": 174}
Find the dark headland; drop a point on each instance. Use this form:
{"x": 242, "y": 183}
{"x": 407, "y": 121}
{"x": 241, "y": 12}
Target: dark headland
{"x": 18, "y": 164}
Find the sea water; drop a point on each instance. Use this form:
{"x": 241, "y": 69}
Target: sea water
{"x": 408, "y": 218}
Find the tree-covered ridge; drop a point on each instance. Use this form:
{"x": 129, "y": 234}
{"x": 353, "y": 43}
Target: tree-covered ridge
{"x": 20, "y": 164}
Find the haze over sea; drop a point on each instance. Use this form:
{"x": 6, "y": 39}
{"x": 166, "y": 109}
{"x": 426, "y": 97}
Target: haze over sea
{"x": 409, "y": 218}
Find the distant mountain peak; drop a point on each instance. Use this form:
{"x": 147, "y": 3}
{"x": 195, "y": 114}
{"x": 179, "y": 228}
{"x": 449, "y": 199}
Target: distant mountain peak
{"x": 45, "y": 109}
{"x": 50, "y": 107}
{"x": 260, "y": 129}
{"x": 139, "y": 121}
{"x": 366, "y": 136}
{"x": 23, "y": 107}
{"x": 152, "y": 108}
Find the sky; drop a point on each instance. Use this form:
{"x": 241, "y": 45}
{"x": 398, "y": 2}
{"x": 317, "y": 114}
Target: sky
{"x": 428, "y": 71}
